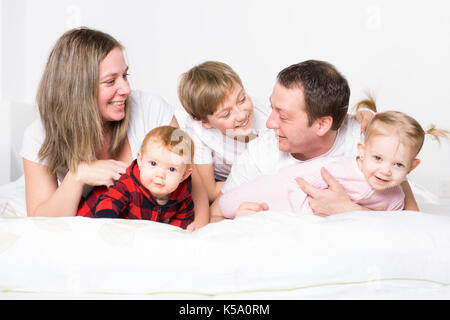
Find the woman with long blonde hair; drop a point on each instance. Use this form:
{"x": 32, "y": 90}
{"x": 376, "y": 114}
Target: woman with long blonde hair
{"x": 91, "y": 124}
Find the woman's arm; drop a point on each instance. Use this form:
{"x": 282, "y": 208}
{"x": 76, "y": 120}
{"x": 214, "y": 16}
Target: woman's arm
{"x": 45, "y": 198}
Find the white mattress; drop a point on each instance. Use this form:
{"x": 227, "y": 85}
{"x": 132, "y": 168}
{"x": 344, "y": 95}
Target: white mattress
{"x": 270, "y": 255}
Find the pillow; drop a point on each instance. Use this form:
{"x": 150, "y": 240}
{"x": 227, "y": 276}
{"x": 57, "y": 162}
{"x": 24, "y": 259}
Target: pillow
{"x": 12, "y": 198}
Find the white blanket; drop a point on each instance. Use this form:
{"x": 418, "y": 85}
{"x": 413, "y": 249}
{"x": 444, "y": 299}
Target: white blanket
{"x": 266, "y": 255}
{"x": 268, "y": 251}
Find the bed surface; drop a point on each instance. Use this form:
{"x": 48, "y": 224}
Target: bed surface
{"x": 271, "y": 255}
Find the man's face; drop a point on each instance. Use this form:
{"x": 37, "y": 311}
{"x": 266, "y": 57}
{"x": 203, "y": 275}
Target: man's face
{"x": 290, "y": 121}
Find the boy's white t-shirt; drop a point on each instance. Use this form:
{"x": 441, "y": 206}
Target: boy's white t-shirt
{"x": 147, "y": 112}
{"x": 213, "y": 147}
{"x": 264, "y": 157}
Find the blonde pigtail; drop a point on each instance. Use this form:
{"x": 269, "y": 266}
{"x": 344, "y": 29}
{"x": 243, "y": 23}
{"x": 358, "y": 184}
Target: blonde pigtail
{"x": 368, "y": 104}
{"x": 437, "y": 134}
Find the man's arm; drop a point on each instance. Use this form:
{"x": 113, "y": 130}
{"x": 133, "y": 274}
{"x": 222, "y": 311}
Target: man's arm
{"x": 326, "y": 202}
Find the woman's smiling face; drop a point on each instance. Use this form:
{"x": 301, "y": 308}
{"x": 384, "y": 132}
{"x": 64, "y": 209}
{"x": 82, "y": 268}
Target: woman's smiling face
{"x": 113, "y": 88}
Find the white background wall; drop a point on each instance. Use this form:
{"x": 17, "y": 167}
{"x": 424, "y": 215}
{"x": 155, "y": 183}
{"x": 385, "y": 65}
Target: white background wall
{"x": 399, "y": 50}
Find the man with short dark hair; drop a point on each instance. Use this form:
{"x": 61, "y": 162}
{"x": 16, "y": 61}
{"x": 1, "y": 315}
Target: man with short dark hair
{"x": 308, "y": 120}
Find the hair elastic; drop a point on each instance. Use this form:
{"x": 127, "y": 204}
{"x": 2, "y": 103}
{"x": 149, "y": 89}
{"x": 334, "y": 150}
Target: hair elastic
{"x": 367, "y": 109}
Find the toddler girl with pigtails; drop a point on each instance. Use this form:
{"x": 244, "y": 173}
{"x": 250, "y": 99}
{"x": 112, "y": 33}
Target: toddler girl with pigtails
{"x": 392, "y": 141}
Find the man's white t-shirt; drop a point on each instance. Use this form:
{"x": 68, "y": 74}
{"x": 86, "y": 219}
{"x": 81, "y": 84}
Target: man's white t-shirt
{"x": 213, "y": 147}
{"x": 264, "y": 157}
{"x": 147, "y": 112}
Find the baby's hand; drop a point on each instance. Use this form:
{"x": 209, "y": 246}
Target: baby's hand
{"x": 247, "y": 208}
{"x": 191, "y": 227}
{"x": 195, "y": 225}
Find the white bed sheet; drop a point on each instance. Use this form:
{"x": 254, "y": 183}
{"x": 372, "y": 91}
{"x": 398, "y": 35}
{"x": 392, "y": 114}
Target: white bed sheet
{"x": 272, "y": 255}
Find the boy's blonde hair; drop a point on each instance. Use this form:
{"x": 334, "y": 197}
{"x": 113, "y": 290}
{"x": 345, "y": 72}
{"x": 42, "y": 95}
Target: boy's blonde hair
{"x": 389, "y": 123}
{"x": 174, "y": 139}
{"x": 205, "y": 87}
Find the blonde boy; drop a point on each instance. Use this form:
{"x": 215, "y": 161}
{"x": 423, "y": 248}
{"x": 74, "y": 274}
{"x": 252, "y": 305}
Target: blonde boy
{"x": 223, "y": 119}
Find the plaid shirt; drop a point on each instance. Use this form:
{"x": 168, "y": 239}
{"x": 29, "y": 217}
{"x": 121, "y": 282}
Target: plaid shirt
{"x": 129, "y": 199}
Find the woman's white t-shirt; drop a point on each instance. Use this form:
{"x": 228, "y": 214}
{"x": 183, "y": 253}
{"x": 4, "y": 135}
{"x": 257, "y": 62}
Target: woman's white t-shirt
{"x": 147, "y": 112}
{"x": 213, "y": 147}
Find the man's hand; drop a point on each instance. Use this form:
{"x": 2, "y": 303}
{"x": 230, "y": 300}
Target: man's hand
{"x": 326, "y": 202}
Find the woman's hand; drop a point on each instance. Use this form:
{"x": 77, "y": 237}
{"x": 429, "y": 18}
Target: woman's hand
{"x": 100, "y": 172}
{"x": 45, "y": 198}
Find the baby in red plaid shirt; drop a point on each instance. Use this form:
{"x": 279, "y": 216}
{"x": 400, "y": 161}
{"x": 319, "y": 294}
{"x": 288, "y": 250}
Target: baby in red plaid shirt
{"x": 157, "y": 185}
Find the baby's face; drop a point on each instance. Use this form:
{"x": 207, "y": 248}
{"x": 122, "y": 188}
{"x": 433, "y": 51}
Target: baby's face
{"x": 385, "y": 161}
{"x": 235, "y": 116}
{"x": 161, "y": 170}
